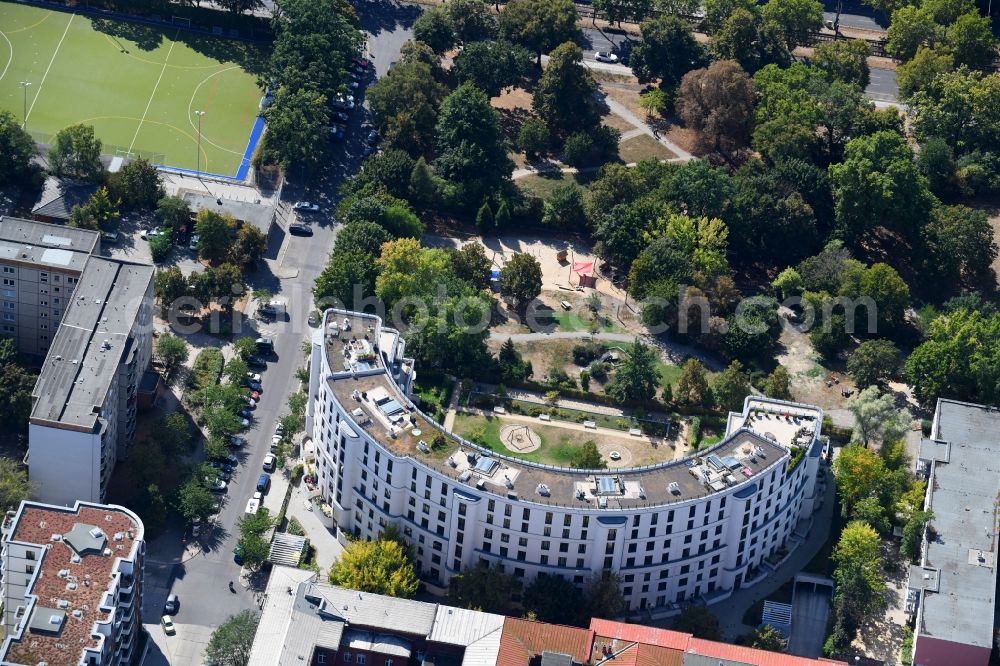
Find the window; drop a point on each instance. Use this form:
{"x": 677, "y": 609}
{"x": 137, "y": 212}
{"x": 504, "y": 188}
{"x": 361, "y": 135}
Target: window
{"x": 361, "y": 659}
{"x": 321, "y": 659}
{"x": 29, "y": 569}
{"x": 347, "y": 657}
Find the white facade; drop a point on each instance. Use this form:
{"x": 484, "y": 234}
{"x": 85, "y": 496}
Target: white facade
{"x": 667, "y": 547}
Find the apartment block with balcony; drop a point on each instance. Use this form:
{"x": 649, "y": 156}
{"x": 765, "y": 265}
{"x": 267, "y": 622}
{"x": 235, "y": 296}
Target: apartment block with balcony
{"x": 72, "y": 585}
{"x": 84, "y": 412}
{"x": 40, "y": 265}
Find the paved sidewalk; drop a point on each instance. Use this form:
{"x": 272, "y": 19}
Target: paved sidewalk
{"x": 456, "y": 395}
{"x": 302, "y": 509}
{"x": 621, "y": 111}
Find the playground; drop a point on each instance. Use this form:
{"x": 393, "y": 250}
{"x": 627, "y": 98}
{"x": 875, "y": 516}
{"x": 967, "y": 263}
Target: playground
{"x": 141, "y": 87}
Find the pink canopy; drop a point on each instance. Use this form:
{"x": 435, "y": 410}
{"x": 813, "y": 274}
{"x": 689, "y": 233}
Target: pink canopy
{"x": 583, "y": 267}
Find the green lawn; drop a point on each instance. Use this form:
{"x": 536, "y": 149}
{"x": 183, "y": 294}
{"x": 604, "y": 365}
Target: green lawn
{"x": 542, "y": 184}
{"x": 573, "y": 320}
{"x": 138, "y": 86}
{"x": 558, "y": 445}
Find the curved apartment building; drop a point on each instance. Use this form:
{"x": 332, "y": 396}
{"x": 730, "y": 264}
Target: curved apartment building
{"x": 698, "y": 527}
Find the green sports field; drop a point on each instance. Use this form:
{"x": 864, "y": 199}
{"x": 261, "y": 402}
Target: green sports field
{"x": 139, "y": 86}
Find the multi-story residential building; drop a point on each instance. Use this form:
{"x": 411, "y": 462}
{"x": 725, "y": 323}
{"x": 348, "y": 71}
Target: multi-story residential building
{"x": 39, "y": 266}
{"x": 953, "y": 591}
{"x": 308, "y": 622}
{"x": 72, "y": 585}
{"x": 83, "y": 416}
{"x": 694, "y": 528}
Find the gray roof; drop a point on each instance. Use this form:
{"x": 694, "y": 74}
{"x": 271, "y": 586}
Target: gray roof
{"x": 85, "y": 539}
{"x": 258, "y": 214}
{"x": 48, "y": 620}
{"x": 962, "y": 494}
{"x": 43, "y": 244}
{"x": 287, "y": 549}
{"x": 59, "y": 196}
{"x": 285, "y": 635}
{"x": 80, "y": 367}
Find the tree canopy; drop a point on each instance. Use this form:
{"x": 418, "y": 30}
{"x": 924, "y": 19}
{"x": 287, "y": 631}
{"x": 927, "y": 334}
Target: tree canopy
{"x": 380, "y": 566}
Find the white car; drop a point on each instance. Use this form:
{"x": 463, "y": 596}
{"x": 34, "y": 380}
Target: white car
{"x": 193, "y": 245}
{"x": 605, "y": 56}
{"x": 258, "y": 495}
{"x": 253, "y": 377}
{"x": 306, "y": 205}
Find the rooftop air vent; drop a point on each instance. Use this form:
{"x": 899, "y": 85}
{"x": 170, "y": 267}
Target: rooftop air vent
{"x": 465, "y": 476}
{"x": 543, "y": 490}
{"x": 57, "y": 537}
{"x": 96, "y": 533}
{"x": 78, "y": 614}
{"x": 62, "y": 603}
{"x": 675, "y": 488}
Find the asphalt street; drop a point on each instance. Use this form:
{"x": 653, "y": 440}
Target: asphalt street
{"x": 882, "y": 86}
{"x": 201, "y": 582}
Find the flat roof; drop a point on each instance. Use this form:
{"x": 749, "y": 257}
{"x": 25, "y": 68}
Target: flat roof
{"x": 68, "y": 582}
{"x": 256, "y": 213}
{"x": 90, "y": 343}
{"x": 962, "y": 494}
{"x": 368, "y": 392}
{"x": 45, "y": 245}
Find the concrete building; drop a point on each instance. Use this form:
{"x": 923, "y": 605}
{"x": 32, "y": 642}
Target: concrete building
{"x": 39, "y": 266}
{"x": 83, "y": 416}
{"x": 698, "y": 528}
{"x": 307, "y": 622}
{"x": 72, "y": 585}
{"x": 59, "y": 197}
{"x": 952, "y": 592}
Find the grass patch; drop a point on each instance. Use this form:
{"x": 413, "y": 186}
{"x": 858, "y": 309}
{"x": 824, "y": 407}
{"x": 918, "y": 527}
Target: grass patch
{"x": 434, "y": 392}
{"x": 643, "y": 147}
{"x": 575, "y": 321}
{"x": 558, "y": 446}
{"x": 713, "y": 428}
{"x": 541, "y": 185}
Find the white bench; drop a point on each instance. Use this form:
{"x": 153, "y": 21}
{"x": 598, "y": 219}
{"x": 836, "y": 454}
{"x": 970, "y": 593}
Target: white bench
{"x": 590, "y": 424}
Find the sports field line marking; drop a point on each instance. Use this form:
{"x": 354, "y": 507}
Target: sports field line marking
{"x": 46, "y": 74}
{"x": 153, "y": 94}
{"x": 190, "y": 114}
{"x": 9, "y": 60}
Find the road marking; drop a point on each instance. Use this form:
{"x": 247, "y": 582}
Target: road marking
{"x": 46, "y": 74}
{"x": 153, "y": 94}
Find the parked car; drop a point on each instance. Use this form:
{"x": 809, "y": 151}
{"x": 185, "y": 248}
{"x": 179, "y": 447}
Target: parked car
{"x": 259, "y": 496}
{"x": 195, "y": 526}
{"x": 168, "y": 625}
{"x": 254, "y": 395}
{"x": 360, "y": 62}
{"x": 605, "y": 56}
{"x": 238, "y": 555}
{"x": 217, "y": 486}
{"x": 263, "y": 483}
{"x": 110, "y": 237}
{"x": 232, "y": 459}
{"x": 269, "y": 462}
{"x": 172, "y": 605}
{"x": 341, "y": 116}
{"x": 237, "y": 442}
{"x": 300, "y": 230}
{"x": 254, "y": 386}
{"x": 253, "y": 377}
{"x": 193, "y": 245}
{"x": 279, "y": 430}
{"x": 255, "y": 361}
{"x": 338, "y": 133}
{"x": 265, "y": 344}
{"x": 306, "y": 205}
{"x": 244, "y": 423}
{"x": 245, "y": 414}
{"x": 372, "y": 138}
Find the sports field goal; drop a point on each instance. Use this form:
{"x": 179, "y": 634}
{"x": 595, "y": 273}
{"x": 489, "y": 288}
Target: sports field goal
{"x": 180, "y": 21}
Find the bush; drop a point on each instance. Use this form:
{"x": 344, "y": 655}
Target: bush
{"x": 207, "y": 368}
{"x": 533, "y": 137}
{"x": 694, "y": 432}
{"x": 586, "y": 352}
{"x": 578, "y": 149}
{"x": 159, "y": 247}
{"x": 297, "y": 472}
{"x": 295, "y": 527}
{"x": 598, "y": 371}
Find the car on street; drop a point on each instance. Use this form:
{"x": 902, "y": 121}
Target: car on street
{"x": 264, "y": 344}
{"x": 245, "y": 414}
{"x": 255, "y": 386}
{"x": 300, "y": 230}
{"x": 237, "y": 442}
{"x": 360, "y": 62}
{"x": 255, "y": 361}
{"x": 238, "y": 555}
{"x": 343, "y": 102}
{"x": 306, "y": 206}
{"x": 314, "y": 318}
{"x": 372, "y": 138}
{"x": 232, "y": 459}
{"x": 150, "y": 233}
{"x": 251, "y": 403}
{"x": 605, "y": 56}
{"x": 368, "y": 149}
{"x": 172, "y": 605}
{"x": 217, "y": 486}
{"x": 193, "y": 245}
{"x": 279, "y": 430}
{"x": 244, "y": 423}
{"x": 224, "y": 475}
{"x": 253, "y": 377}
{"x": 257, "y": 495}
{"x": 269, "y": 462}
{"x": 168, "y": 625}
{"x": 263, "y": 483}
{"x": 254, "y": 395}
{"x": 353, "y": 84}
{"x": 195, "y": 526}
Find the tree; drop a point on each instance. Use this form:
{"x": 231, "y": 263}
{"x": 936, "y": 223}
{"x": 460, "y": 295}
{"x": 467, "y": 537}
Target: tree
{"x": 873, "y": 362}
{"x": 137, "y": 184}
{"x": 788, "y": 283}
{"x": 433, "y": 27}
{"x": 389, "y": 212}
{"x": 668, "y": 51}
{"x": 698, "y": 620}
{"x": 565, "y": 207}
{"x": 483, "y": 588}
{"x": 910, "y": 28}
{"x": 603, "y": 596}
{"x": 860, "y": 590}
{"x": 405, "y": 107}
{"x": 797, "y": 19}
{"x": 14, "y": 484}
{"x": 553, "y": 599}
{"x": 76, "y": 153}
{"x": 471, "y": 148}
{"x": 860, "y": 473}
{"x": 513, "y": 368}
{"x": 502, "y": 217}
{"x": 424, "y": 186}
{"x": 636, "y": 377}
{"x": 919, "y": 72}
{"x": 174, "y": 434}
{"x": 472, "y": 20}
{"x": 717, "y": 102}
{"x": 889, "y": 292}
{"x": 878, "y": 184}
{"x": 717, "y": 11}
{"x": 297, "y": 128}
{"x": 245, "y": 347}
{"x": 587, "y": 457}
{"x": 173, "y": 211}
{"x": 731, "y": 387}
{"x": 971, "y": 40}
{"x": 380, "y": 567}
{"x": 484, "y": 220}
{"x": 844, "y": 60}
{"x": 936, "y": 162}
{"x": 250, "y": 246}
{"x": 913, "y": 535}
{"x": 752, "y": 43}
{"x": 172, "y": 351}
{"x": 692, "y": 385}
{"x": 236, "y": 370}
{"x": 16, "y": 149}
{"x": 232, "y": 641}
{"x": 876, "y": 418}
{"x": 960, "y": 243}
{"x": 241, "y": 6}
{"x": 100, "y": 209}
{"x": 961, "y": 107}
{"x": 540, "y": 25}
{"x": 533, "y": 137}
{"x": 777, "y": 384}
{"x": 195, "y": 500}
{"x": 521, "y": 280}
{"x": 562, "y": 96}
{"x": 616, "y": 11}
{"x": 169, "y": 285}
{"x": 471, "y": 264}
{"x": 407, "y": 271}
{"x": 213, "y": 232}
{"x": 493, "y": 65}
{"x": 655, "y": 101}
{"x": 767, "y": 638}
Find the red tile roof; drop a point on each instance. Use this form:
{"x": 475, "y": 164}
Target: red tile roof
{"x": 637, "y": 633}
{"x": 750, "y": 655}
{"x": 521, "y": 640}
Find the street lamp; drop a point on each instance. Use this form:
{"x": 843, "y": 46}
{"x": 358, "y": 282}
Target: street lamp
{"x": 24, "y": 112}
{"x": 198, "y": 157}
